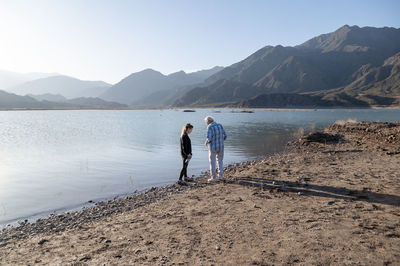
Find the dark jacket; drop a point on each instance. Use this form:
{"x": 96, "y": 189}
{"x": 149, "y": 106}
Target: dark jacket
{"x": 186, "y": 145}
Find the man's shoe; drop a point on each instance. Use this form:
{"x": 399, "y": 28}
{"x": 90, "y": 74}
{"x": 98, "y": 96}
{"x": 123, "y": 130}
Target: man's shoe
{"x": 211, "y": 180}
{"x": 188, "y": 179}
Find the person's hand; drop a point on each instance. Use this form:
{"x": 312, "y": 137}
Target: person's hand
{"x": 190, "y": 156}
{"x": 206, "y": 143}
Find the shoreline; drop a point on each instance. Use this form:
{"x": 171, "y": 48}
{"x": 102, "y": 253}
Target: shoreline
{"x": 201, "y": 108}
{"x": 201, "y": 178}
{"x": 13, "y": 224}
{"x": 157, "y": 192}
{"x": 332, "y": 198}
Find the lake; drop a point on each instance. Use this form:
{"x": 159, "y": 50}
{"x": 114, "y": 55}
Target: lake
{"x": 55, "y": 161}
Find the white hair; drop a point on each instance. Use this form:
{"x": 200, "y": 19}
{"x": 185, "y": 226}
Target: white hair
{"x": 209, "y": 119}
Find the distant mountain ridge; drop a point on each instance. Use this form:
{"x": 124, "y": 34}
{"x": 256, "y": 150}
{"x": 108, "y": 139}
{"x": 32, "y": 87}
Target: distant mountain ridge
{"x": 48, "y": 97}
{"x": 68, "y": 87}
{"x": 13, "y": 101}
{"x": 141, "y": 85}
{"x": 10, "y": 79}
{"x": 334, "y": 67}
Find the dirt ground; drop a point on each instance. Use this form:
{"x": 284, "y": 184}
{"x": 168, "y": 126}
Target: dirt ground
{"x": 332, "y": 199}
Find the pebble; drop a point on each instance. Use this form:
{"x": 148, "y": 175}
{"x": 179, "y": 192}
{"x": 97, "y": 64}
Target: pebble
{"x": 41, "y": 242}
{"x": 85, "y": 258}
{"x": 218, "y": 248}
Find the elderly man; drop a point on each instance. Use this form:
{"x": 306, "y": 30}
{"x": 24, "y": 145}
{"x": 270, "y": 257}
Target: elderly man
{"x": 215, "y": 142}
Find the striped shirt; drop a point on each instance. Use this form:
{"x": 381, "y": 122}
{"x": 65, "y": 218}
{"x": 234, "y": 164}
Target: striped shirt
{"x": 215, "y": 136}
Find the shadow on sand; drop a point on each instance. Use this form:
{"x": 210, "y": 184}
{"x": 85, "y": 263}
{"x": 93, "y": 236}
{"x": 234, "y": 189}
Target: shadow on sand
{"x": 319, "y": 191}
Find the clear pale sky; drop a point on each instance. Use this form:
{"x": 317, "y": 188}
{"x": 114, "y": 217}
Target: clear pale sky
{"x": 110, "y": 39}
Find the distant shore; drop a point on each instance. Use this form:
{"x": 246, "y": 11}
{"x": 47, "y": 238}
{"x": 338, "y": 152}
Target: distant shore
{"x": 332, "y": 198}
{"x": 194, "y": 108}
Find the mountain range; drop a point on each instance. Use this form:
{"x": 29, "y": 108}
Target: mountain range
{"x": 68, "y": 87}
{"x": 151, "y": 88}
{"x": 142, "y": 89}
{"x": 351, "y": 67}
{"x": 13, "y": 101}
{"x": 10, "y": 79}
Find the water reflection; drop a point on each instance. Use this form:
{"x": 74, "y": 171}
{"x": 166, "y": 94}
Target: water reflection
{"x": 258, "y": 139}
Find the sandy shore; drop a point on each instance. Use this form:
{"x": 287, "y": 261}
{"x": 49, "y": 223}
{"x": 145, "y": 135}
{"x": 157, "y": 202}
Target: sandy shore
{"x": 332, "y": 199}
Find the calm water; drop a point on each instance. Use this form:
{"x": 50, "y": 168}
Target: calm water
{"x": 53, "y": 161}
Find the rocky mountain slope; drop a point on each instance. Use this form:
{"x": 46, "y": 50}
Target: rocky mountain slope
{"x": 343, "y": 68}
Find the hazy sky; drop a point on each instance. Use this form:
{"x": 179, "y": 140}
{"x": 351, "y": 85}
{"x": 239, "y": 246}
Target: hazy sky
{"x": 108, "y": 40}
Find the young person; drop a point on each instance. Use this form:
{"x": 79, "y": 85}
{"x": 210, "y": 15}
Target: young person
{"x": 186, "y": 151}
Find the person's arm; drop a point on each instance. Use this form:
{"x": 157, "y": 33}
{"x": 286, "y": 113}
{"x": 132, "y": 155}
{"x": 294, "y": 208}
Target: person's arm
{"x": 183, "y": 149}
{"x": 186, "y": 145}
{"x": 209, "y": 135}
{"x": 189, "y": 148}
{"x": 223, "y": 132}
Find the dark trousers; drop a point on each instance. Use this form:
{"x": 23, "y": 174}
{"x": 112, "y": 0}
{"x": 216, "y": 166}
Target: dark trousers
{"x": 184, "y": 168}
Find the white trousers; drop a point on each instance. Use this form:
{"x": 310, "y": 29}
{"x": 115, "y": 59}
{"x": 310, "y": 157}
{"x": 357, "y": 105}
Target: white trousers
{"x": 215, "y": 156}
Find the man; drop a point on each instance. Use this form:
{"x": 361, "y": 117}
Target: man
{"x": 215, "y": 142}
